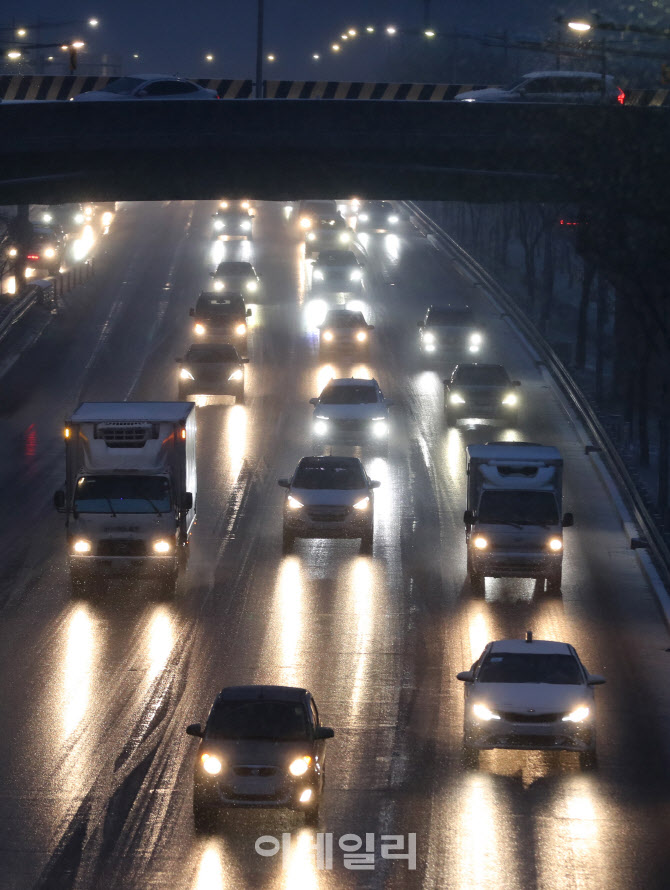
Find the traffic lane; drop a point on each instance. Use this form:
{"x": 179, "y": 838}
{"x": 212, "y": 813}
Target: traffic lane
{"x": 632, "y": 626}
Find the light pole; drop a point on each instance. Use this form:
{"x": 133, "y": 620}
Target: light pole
{"x": 259, "y": 50}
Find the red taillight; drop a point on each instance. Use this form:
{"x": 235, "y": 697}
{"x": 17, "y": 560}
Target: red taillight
{"x": 33, "y": 256}
{"x": 621, "y": 98}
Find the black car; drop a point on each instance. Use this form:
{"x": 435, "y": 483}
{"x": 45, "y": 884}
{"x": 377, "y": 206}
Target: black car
{"x": 221, "y": 317}
{"x": 235, "y": 223}
{"x": 450, "y": 328}
{"x": 477, "y": 390}
{"x": 377, "y": 217}
{"x": 328, "y": 233}
{"x": 345, "y": 330}
{"x": 212, "y": 368}
{"x": 262, "y": 746}
{"x": 337, "y": 271}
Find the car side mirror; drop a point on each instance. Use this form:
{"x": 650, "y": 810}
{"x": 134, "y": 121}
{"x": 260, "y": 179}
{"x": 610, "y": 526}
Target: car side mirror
{"x": 468, "y": 517}
{"x": 245, "y": 361}
{"x": 595, "y": 680}
{"x": 284, "y": 482}
{"x": 568, "y": 520}
{"x": 516, "y": 383}
{"x": 59, "y": 500}
{"x": 187, "y": 501}
{"x": 314, "y": 401}
{"x": 248, "y": 313}
{"x": 324, "y": 732}
{"x": 466, "y": 676}
{"x": 191, "y": 311}
{"x": 375, "y": 484}
{"x": 195, "y": 729}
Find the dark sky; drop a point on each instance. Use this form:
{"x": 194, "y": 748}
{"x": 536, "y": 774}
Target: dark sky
{"x": 173, "y": 36}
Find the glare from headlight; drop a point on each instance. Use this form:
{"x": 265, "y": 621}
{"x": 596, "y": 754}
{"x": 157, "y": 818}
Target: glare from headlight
{"x": 328, "y": 335}
{"x": 481, "y": 712}
{"x": 218, "y": 225}
{"x": 245, "y": 225}
{"x": 82, "y": 546}
{"x": 293, "y": 503}
{"x": 185, "y": 374}
{"x": 510, "y": 399}
{"x": 361, "y": 336}
{"x": 363, "y": 217}
{"x": 476, "y": 339}
{"x": 211, "y": 764}
{"x": 363, "y": 504}
{"x": 12, "y": 251}
{"x": 311, "y": 236}
{"x": 199, "y": 329}
{"x": 300, "y": 766}
{"x": 344, "y": 237}
{"x": 50, "y": 253}
{"x": 79, "y": 218}
{"x": 428, "y": 337}
{"x": 223, "y": 205}
{"x": 480, "y": 542}
{"x": 393, "y": 219}
{"x": 355, "y": 275}
{"x": 305, "y": 223}
{"x": 238, "y": 374}
{"x": 320, "y": 428}
{"x": 240, "y": 330}
{"x": 219, "y": 285}
{"x": 380, "y": 428}
{"x": 252, "y": 286}
{"x": 456, "y": 399}
{"x": 107, "y": 218}
{"x": 555, "y": 544}
{"x": 306, "y": 795}
{"x": 318, "y": 275}
{"x": 578, "y": 715}
{"x": 162, "y": 547}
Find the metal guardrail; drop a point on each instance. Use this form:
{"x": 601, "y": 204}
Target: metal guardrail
{"x": 15, "y": 310}
{"x": 652, "y": 535}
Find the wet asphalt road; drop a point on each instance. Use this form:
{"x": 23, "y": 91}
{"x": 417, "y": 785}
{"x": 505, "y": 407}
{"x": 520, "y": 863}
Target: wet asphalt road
{"x": 95, "y": 768}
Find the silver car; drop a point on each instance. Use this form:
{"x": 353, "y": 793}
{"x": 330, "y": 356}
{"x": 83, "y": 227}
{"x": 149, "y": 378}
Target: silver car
{"x": 147, "y": 86}
{"x": 566, "y": 87}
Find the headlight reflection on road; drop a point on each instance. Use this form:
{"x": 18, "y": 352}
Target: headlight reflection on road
{"x": 480, "y": 633}
{"x": 217, "y": 252}
{"x": 287, "y": 624}
{"x": 569, "y": 834}
{"x": 210, "y": 871}
{"x": 236, "y": 435}
{"x": 483, "y": 859}
{"x": 159, "y": 644}
{"x": 300, "y": 870}
{"x": 453, "y": 452}
{"x": 362, "y": 371}
{"x": 79, "y": 650}
{"x": 361, "y": 608}
{"x": 323, "y": 376}
{"x": 392, "y": 246}
{"x": 314, "y": 314}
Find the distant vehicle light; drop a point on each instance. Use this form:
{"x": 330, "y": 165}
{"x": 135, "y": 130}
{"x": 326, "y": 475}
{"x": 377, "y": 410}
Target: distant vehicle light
{"x": 305, "y": 222}
{"x": 237, "y": 374}
{"x": 162, "y": 547}
{"x": 393, "y": 219}
{"x": 621, "y": 96}
{"x": 82, "y": 546}
{"x": 328, "y": 335}
{"x": 107, "y": 218}
{"x": 245, "y": 225}
{"x": 223, "y": 205}
{"x": 185, "y": 374}
{"x": 510, "y": 399}
{"x": 219, "y": 225}
{"x": 361, "y": 336}
{"x": 555, "y": 544}
{"x": 476, "y": 339}
{"x": 50, "y": 253}
{"x": 363, "y": 217}
{"x": 480, "y": 542}
{"x": 241, "y": 330}
{"x": 219, "y": 285}
{"x": 344, "y": 237}
{"x": 318, "y": 275}
{"x": 79, "y": 218}
{"x": 47, "y": 217}
{"x": 311, "y": 236}
{"x": 428, "y": 337}
{"x": 200, "y": 329}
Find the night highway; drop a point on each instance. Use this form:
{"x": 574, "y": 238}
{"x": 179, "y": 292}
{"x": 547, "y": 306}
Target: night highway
{"x": 96, "y": 770}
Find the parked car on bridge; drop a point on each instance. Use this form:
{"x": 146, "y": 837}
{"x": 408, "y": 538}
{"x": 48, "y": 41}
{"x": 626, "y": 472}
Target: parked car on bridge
{"x": 567, "y": 87}
{"x": 148, "y": 86}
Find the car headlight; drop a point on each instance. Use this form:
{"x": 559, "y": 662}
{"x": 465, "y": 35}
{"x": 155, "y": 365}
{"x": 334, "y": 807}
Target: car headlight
{"x": 245, "y": 225}
{"x": 241, "y": 330}
{"x": 305, "y": 223}
{"x": 380, "y": 428}
{"x": 107, "y": 218}
{"x": 252, "y": 286}
{"x": 162, "y": 547}
{"x": 219, "y": 225}
{"x": 456, "y": 399}
{"x": 480, "y": 542}
{"x": 211, "y": 764}
{"x": 12, "y": 251}
{"x": 510, "y": 399}
{"x": 355, "y": 275}
{"x": 47, "y": 217}
{"x": 429, "y": 337}
{"x": 300, "y": 766}
{"x": 311, "y": 236}
{"x": 185, "y": 374}
{"x": 361, "y": 336}
{"x": 481, "y": 712}
{"x": 363, "y": 217}
{"x": 293, "y": 503}
{"x": 476, "y": 339}
{"x": 199, "y": 329}
{"x": 328, "y": 335}
{"x": 82, "y": 546}
{"x": 50, "y": 253}
{"x": 393, "y": 219}
{"x": 79, "y": 218}
{"x": 318, "y": 275}
{"x": 219, "y": 285}
{"x": 555, "y": 544}
{"x": 237, "y": 374}
{"x": 344, "y": 237}
{"x": 223, "y": 205}
{"x": 320, "y": 428}
{"x": 578, "y": 715}
{"x": 363, "y": 504}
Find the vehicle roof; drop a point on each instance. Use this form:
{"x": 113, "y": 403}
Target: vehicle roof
{"x": 262, "y": 693}
{"x": 343, "y": 313}
{"x": 514, "y": 451}
{"x": 226, "y": 351}
{"x": 448, "y": 307}
{"x": 337, "y": 254}
{"x": 461, "y": 365}
{"x": 237, "y": 263}
{"x": 536, "y": 647}
{"x": 330, "y": 461}
{"x": 566, "y": 74}
{"x": 225, "y": 296}
{"x": 154, "y": 412}
{"x": 352, "y": 381}
{"x": 151, "y": 77}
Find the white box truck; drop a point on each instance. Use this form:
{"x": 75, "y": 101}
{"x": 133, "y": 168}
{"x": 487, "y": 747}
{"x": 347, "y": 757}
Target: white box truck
{"x": 513, "y": 518}
{"x": 130, "y": 490}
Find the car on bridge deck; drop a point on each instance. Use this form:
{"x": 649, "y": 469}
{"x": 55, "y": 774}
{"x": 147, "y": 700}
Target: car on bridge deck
{"x": 233, "y": 223}
{"x": 328, "y": 233}
{"x": 148, "y": 86}
{"x": 262, "y": 747}
{"x": 449, "y": 329}
{"x": 211, "y": 368}
{"x": 310, "y": 211}
{"x": 377, "y": 217}
{"x": 529, "y": 694}
{"x": 565, "y": 87}
{"x": 345, "y": 330}
{"x": 479, "y": 390}
{"x": 352, "y": 411}
{"x": 221, "y": 317}
{"x": 329, "y": 497}
{"x": 234, "y": 275}
{"x": 337, "y": 271}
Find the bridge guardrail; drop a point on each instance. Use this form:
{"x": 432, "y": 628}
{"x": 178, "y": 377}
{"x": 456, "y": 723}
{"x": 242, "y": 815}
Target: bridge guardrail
{"x": 652, "y": 536}
{"x": 15, "y": 310}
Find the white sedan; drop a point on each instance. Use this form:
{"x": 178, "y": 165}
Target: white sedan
{"x": 156, "y": 86}
{"x": 530, "y": 694}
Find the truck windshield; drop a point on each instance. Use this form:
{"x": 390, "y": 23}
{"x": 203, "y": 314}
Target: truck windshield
{"x": 122, "y": 494}
{"x": 524, "y": 507}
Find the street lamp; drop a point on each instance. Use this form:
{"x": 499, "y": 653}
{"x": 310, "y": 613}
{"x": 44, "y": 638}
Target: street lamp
{"x": 13, "y": 54}
{"x": 209, "y": 57}
{"x": 580, "y": 27}
{"x": 21, "y": 32}
{"x": 335, "y": 47}
{"x": 271, "y": 57}
{"x": 370, "y": 29}
{"x": 316, "y": 56}
{"x": 391, "y": 29}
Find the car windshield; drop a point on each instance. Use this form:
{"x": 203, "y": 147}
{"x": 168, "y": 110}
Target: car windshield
{"x": 480, "y": 375}
{"x": 124, "y": 85}
{"x": 337, "y": 258}
{"x": 219, "y": 306}
{"x": 122, "y": 494}
{"x": 455, "y": 317}
{"x": 214, "y": 353}
{"x": 327, "y": 475}
{"x": 518, "y": 667}
{"x": 523, "y": 507}
{"x": 331, "y": 222}
{"x": 270, "y": 720}
{"x": 348, "y": 395}
{"x": 234, "y": 269}
{"x": 344, "y": 320}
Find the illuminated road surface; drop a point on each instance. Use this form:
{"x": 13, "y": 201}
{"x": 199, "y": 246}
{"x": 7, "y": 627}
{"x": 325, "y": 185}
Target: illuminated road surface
{"x": 95, "y": 768}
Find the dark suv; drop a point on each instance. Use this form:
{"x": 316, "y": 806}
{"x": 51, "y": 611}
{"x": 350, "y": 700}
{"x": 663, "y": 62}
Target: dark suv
{"x": 221, "y": 317}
